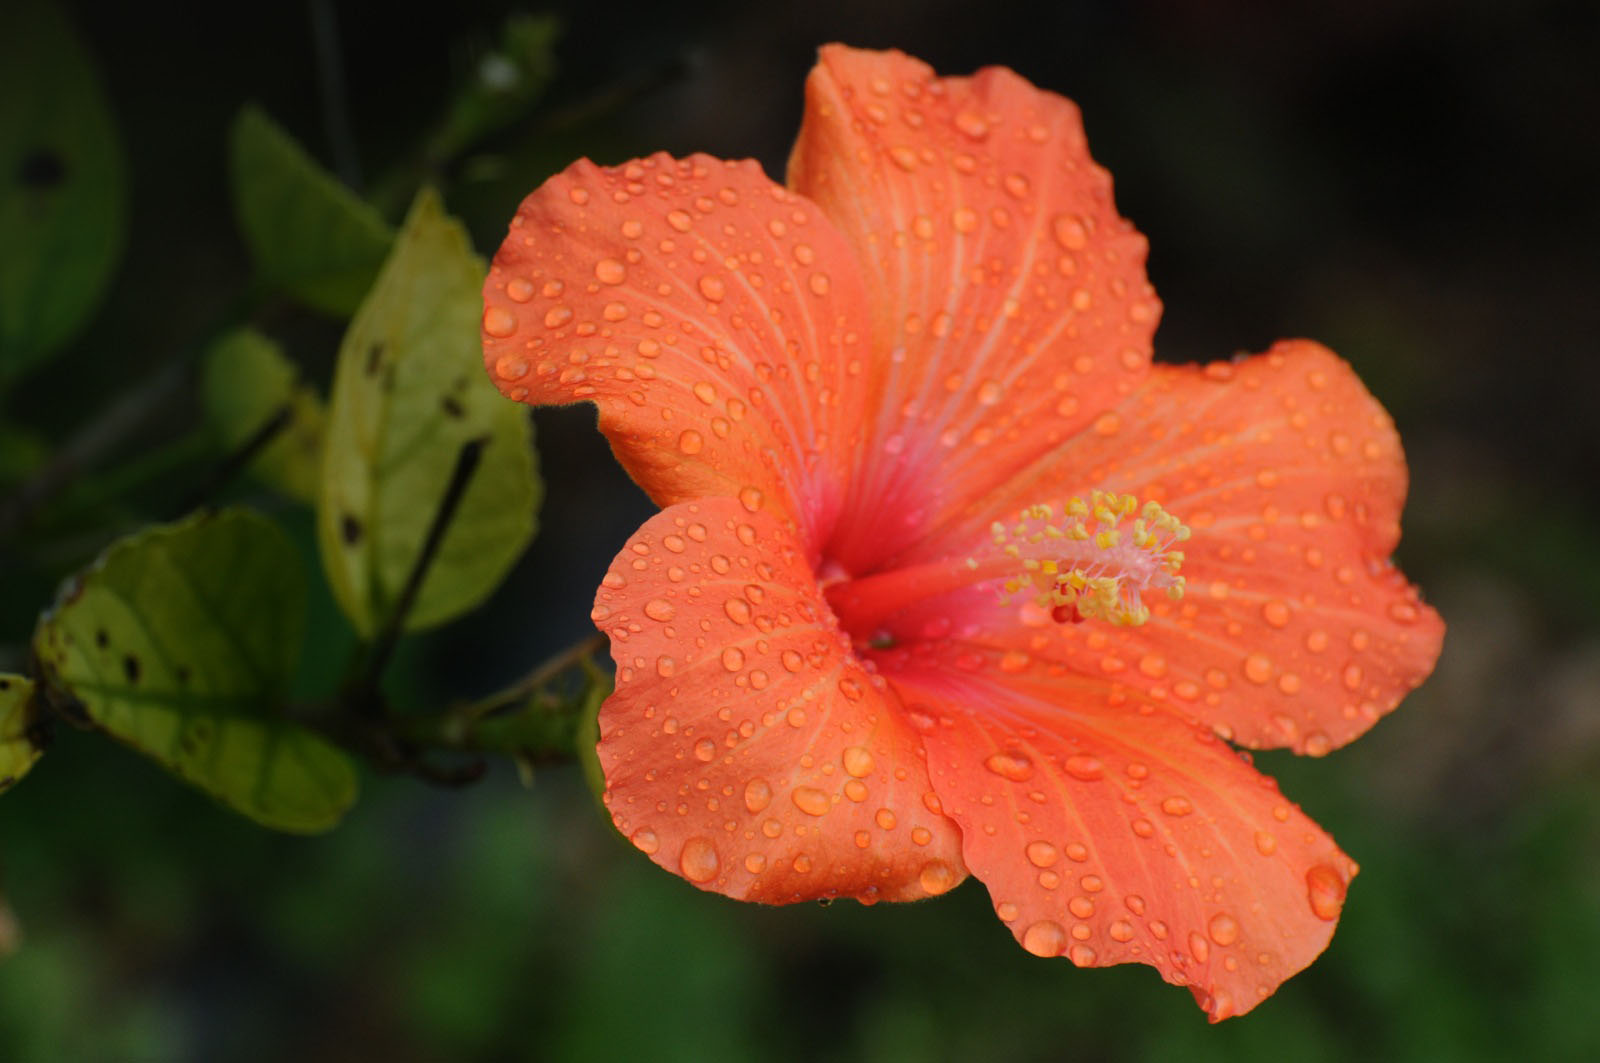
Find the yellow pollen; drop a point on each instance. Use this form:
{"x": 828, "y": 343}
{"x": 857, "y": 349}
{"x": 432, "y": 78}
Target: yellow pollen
{"x": 1095, "y": 558}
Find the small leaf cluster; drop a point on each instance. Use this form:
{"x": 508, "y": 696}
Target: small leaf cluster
{"x": 182, "y": 639}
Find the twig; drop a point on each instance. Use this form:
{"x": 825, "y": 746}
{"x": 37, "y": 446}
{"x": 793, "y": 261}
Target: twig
{"x": 383, "y": 647}
{"x": 335, "y": 106}
{"x": 241, "y": 456}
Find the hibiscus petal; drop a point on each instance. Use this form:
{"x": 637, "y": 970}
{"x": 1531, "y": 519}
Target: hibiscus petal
{"x": 1295, "y": 629}
{"x": 1010, "y": 305}
{"x": 1110, "y": 829}
{"x": 745, "y": 747}
{"x": 715, "y": 318}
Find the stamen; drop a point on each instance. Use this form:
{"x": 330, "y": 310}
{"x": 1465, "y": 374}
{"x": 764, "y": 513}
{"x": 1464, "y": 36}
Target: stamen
{"x": 1096, "y": 559}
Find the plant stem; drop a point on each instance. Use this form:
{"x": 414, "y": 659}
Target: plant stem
{"x": 366, "y": 691}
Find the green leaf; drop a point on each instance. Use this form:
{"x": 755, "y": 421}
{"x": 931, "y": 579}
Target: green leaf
{"x": 409, "y": 392}
{"x": 309, "y": 234}
{"x": 181, "y": 641}
{"x": 247, "y": 383}
{"x": 62, "y": 194}
{"x": 18, "y": 714}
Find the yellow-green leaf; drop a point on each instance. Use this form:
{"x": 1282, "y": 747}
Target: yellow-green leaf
{"x": 247, "y": 383}
{"x": 181, "y": 641}
{"x": 62, "y": 194}
{"x": 409, "y": 392}
{"x": 18, "y": 749}
{"x": 308, "y": 233}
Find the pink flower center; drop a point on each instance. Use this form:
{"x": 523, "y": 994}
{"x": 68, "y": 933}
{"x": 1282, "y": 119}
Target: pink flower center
{"x": 1093, "y": 559}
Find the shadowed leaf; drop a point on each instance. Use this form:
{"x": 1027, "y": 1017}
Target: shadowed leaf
{"x": 181, "y": 642}
{"x": 62, "y": 197}
{"x": 308, "y": 233}
{"x": 409, "y": 392}
{"x": 247, "y": 383}
{"x": 18, "y": 750}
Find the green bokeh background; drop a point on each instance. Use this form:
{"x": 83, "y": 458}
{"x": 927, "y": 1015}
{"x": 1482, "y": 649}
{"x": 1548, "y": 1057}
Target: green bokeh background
{"x": 1411, "y": 183}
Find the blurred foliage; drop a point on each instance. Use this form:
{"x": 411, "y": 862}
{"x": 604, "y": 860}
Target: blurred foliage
{"x": 307, "y": 233}
{"x": 246, "y": 385}
{"x": 1412, "y": 183}
{"x": 62, "y": 196}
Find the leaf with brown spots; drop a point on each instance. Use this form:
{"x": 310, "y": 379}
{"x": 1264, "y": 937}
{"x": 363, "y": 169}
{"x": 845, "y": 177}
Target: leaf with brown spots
{"x": 181, "y": 641}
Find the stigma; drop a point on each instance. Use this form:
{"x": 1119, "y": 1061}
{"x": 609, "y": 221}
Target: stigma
{"x": 1095, "y": 559}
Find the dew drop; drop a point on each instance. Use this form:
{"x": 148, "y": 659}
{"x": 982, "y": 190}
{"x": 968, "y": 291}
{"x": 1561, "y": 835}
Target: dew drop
{"x": 680, "y": 220}
{"x": 705, "y": 751}
{"x": 645, "y": 839}
{"x": 698, "y": 860}
{"x": 1042, "y": 854}
{"x": 739, "y": 612}
{"x": 690, "y": 441}
{"x": 936, "y": 877}
{"x": 858, "y": 761}
{"x": 751, "y": 498}
{"x": 519, "y": 289}
{"x": 498, "y": 321}
{"x": 1011, "y": 766}
{"x": 810, "y": 800}
{"x": 850, "y": 689}
{"x": 1085, "y": 767}
{"x": 1044, "y": 938}
{"x": 659, "y": 609}
{"x": 713, "y": 288}
{"x": 1070, "y": 232}
{"x": 1257, "y": 668}
{"x": 757, "y": 795}
{"x": 1177, "y": 806}
{"x": 733, "y": 658}
{"x": 755, "y": 863}
{"x": 1325, "y": 889}
{"x": 610, "y": 271}
{"x": 557, "y": 316}
{"x": 1275, "y": 613}
{"x": 1223, "y": 928}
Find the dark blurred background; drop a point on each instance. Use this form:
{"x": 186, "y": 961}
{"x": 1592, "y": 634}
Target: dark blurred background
{"x": 1413, "y": 183}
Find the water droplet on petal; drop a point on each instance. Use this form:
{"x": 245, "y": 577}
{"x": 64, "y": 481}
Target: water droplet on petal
{"x": 498, "y": 321}
{"x": 1085, "y": 767}
{"x": 610, "y": 271}
{"x": 1223, "y": 928}
{"x": 1325, "y": 889}
{"x": 858, "y": 761}
{"x": 936, "y": 877}
{"x": 645, "y": 839}
{"x": 750, "y": 498}
{"x": 1042, "y": 854}
{"x": 698, "y": 860}
{"x": 757, "y": 795}
{"x": 1044, "y": 938}
{"x": 659, "y": 609}
{"x": 557, "y": 316}
{"x": 1257, "y": 668}
{"x": 1177, "y": 806}
{"x": 1011, "y": 766}
{"x": 713, "y": 288}
{"x": 810, "y": 800}
{"x": 691, "y": 442}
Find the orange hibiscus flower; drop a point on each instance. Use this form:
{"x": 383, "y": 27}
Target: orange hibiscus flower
{"x": 915, "y": 606}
